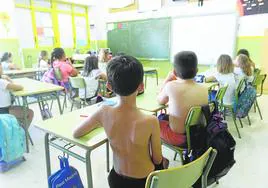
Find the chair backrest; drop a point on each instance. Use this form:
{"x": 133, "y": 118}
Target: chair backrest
{"x": 193, "y": 118}
{"x": 57, "y": 73}
{"x": 184, "y": 176}
{"x": 77, "y": 82}
{"x": 258, "y": 83}
{"x": 220, "y": 94}
{"x": 238, "y": 90}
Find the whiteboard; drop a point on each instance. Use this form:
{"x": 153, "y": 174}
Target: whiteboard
{"x": 208, "y": 36}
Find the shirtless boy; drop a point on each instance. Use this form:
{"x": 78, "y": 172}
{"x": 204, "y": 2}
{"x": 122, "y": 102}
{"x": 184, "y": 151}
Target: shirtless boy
{"x": 181, "y": 92}
{"x": 134, "y": 136}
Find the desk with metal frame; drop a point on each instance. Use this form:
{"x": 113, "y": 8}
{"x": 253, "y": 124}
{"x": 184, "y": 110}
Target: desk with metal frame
{"x": 61, "y": 128}
{"x": 26, "y": 72}
{"x": 36, "y": 89}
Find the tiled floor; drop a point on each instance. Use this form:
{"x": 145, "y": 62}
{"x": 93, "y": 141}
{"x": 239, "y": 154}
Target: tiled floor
{"x": 250, "y": 171}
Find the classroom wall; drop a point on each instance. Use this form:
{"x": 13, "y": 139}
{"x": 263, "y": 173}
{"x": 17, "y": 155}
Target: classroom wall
{"x": 7, "y": 27}
{"x": 8, "y": 36}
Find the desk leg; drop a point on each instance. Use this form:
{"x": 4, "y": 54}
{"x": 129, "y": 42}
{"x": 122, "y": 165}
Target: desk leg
{"x": 25, "y": 119}
{"x": 108, "y": 156}
{"x": 58, "y": 99}
{"x": 88, "y": 168}
{"x": 156, "y": 73}
{"x": 47, "y": 152}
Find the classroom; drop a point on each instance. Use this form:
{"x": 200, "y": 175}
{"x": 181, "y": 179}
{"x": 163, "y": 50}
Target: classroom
{"x": 133, "y": 93}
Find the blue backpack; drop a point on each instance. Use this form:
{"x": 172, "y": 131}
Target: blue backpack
{"x": 12, "y": 138}
{"x": 245, "y": 101}
{"x": 66, "y": 177}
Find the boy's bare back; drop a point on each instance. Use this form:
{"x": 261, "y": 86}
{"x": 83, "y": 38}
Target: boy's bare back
{"x": 182, "y": 95}
{"x": 129, "y": 134}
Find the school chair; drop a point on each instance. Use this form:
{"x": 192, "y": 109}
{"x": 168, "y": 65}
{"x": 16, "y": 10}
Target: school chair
{"x": 258, "y": 85}
{"x": 150, "y": 72}
{"x": 219, "y": 98}
{"x": 220, "y": 94}
{"x": 256, "y": 72}
{"x": 193, "y": 118}
{"x": 184, "y": 176}
{"x": 79, "y": 83}
{"x": 231, "y": 107}
{"x": 58, "y": 76}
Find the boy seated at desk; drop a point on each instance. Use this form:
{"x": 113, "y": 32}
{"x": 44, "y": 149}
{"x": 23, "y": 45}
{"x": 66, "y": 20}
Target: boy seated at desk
{"x": 6, "y": 86}
{"x": 181, "y": 92}
{"x": 134, "y": 136}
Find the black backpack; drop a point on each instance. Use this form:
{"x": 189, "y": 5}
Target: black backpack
{"x": 217, "y": 136}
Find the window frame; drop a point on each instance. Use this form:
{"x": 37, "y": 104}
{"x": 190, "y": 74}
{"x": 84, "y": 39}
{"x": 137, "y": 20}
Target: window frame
{"x": 54, "y": 10}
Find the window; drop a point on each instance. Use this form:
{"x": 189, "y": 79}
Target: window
{"x": 23, "y": 21}
{"x": 44, "y": 28}
{"x": 48, "y": 23}
{"x": 42, "y": 3}
{"x": 23, "y": 2}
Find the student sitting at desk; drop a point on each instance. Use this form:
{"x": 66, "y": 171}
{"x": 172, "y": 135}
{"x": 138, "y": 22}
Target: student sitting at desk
{"x": 244, "y": 69}
{"x": 6, "y": 62}
{"x": 43, "y": 60}
{"x": 58, "y": 60}
{"x": 134, "y": 136}
{"x": 103, "y": 59}
{"x": 91, "y": 75}
{"x": 245, "y": 52}
{"x": 6, "y": 85}
{"x": 181, "y": 92}
{"x": 225, "y": 75}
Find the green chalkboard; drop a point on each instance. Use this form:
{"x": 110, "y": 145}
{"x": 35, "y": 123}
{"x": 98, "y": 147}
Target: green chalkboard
{"x": 142, "y": 39}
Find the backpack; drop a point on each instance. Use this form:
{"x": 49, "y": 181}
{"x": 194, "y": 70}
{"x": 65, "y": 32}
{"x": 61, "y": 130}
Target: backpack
{"x": 219, "y": 138}
{"x": 12, "y": 138}
{"x": 245, "y": 101}
{"x": 66, "y": 177}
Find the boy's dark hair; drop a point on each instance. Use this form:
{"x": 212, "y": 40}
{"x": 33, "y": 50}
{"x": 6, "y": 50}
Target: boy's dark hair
{"x": 57, "y": 53}
{"x": 243, "y": 52}
{"x": 91, "y": 63}
{"x": 185, "y": 64}
{"x": 125, "y": 74}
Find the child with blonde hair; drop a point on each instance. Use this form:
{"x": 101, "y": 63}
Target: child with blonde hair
{"x": 244, "y": 69}
{"x": 103, "y": 59}
{"x": 225, "y": 75}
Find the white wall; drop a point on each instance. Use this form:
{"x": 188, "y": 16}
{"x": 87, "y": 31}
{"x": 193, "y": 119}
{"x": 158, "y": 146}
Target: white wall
{"x": 99, "y": 14}
{"x": 253, "y": 25}
{"x": 8, "y": 7}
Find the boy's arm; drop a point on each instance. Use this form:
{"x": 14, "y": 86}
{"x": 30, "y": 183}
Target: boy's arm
{"x": 162, "y": 97}
{"x": 171, "y": 76}
{"x": 89, "y": 124}
{"x": 14, "y": 87}
{"x": 156, "y": 142}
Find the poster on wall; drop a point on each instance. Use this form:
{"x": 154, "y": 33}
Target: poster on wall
{"x": 251, "y": 7}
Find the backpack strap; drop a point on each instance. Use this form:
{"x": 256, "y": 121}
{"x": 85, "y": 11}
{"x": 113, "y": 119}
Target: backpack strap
{"x": 206, "y": 111}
